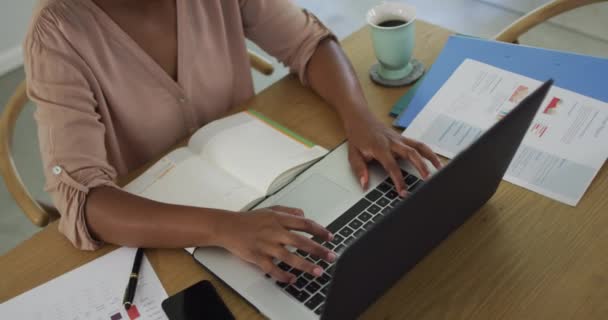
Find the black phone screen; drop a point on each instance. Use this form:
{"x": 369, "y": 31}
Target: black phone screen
{"x": 199, "y": 301}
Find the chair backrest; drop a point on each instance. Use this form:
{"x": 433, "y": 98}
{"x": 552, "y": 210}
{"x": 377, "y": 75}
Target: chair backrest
{"x": 541, "y": 14}
{"x": 40, "y": 213}
{"x": 260, "y": 63}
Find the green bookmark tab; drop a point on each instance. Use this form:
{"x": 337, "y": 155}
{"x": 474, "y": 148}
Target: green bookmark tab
{"x": 281, "y": 128}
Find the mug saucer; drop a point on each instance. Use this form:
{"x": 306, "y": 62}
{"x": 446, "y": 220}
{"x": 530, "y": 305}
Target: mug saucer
{"x": 415, "y": 74}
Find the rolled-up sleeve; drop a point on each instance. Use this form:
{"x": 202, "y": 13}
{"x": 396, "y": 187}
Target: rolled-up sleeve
{"x": 70, "y": 134}
{"x": 284, "y": 30}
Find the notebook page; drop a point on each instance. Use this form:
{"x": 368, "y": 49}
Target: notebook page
{"x": 182, "y": 178}
{"x": 194, "y": 182}
{"x": 253, "y": 150}
{"x": 92, "y": 291}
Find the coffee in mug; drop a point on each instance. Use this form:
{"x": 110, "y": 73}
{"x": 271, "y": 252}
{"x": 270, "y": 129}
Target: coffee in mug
{"x": 392, "y": 23}
{"x": 392, "y": 28}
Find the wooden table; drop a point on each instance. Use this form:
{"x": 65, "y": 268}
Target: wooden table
{"x": 522, "y": 256}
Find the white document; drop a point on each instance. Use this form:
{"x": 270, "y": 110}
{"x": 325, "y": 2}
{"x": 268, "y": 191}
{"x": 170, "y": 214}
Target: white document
{"x": 565, "y": 146}
{"x": 93, "y": 291}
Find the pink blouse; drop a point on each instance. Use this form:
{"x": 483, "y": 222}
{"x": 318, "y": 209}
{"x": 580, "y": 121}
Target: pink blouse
{"x": 105, "y": 107}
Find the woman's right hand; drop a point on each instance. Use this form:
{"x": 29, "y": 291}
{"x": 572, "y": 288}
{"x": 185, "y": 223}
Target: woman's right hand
{"x": 262, "y": 235}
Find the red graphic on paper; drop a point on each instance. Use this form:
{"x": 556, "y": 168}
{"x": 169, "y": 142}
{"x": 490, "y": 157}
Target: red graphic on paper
{"x": 133, "y": 312}
{"x": 538, "y": 129}
{"x": 552, "y": 106}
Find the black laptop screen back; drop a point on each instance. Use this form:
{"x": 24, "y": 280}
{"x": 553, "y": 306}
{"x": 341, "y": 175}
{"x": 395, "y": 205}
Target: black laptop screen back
{"x": 392, "y": 247}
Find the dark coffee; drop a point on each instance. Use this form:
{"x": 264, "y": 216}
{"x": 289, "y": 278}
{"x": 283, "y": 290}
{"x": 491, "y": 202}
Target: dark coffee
{"x": 392, "y": 23}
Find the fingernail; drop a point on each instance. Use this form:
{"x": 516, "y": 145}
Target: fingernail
{"x": 362, "y": 180}
{"x": 317, "y": 272}
{"x": 292, "y": 280}
{"x": 331, "y": 236}
{"x": 403, "y": 193}
{"x": 331, "y": 257}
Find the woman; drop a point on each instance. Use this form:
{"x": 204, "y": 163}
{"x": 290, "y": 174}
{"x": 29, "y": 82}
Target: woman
{"x": 118, "y": 82}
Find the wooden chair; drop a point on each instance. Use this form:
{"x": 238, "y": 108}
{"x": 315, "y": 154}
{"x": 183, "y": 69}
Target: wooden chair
{"x": 260, "y": 63}
{"x": 541, "y": 14}
{"x": 38, "y": 212}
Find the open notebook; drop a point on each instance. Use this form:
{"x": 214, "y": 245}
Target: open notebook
{"x": 230, "y": 164}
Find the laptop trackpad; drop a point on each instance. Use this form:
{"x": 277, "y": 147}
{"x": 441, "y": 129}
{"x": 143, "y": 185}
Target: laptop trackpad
{"x": 318, "y": 196}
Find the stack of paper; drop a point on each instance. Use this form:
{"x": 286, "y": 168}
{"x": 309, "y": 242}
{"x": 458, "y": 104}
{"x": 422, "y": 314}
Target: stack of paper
{"x": 579, "y": 73}
{"x": 560, "y": 155}
{"x": 93, "y": 291}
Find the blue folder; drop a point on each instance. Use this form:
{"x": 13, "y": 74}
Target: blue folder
{"x": 583, "y": 74}
{"x": 405, "y": 100}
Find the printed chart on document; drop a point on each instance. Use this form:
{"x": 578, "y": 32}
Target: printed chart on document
{"x": 560, "y": 155}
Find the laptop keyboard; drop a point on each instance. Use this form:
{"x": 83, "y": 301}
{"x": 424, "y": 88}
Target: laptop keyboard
{"x": 352, "y": 224}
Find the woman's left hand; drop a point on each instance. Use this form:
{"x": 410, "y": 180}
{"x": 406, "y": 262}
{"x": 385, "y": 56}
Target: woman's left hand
{"x": 370, "y": 140}
{"x": 332, "y": 77}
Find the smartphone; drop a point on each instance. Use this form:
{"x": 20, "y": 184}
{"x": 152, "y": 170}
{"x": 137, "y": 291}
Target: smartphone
{"x": 200, "y": 301}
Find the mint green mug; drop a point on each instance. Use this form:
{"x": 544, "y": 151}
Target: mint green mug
{"x": 392, "y": 30}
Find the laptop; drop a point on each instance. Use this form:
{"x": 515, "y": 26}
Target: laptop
{"x": 370, "y": 226}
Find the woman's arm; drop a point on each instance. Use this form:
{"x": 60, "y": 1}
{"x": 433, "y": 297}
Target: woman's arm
{"x": 116, "y": 216}
{"x": 331, "y": 75}
{"x": 300, "y": 41}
